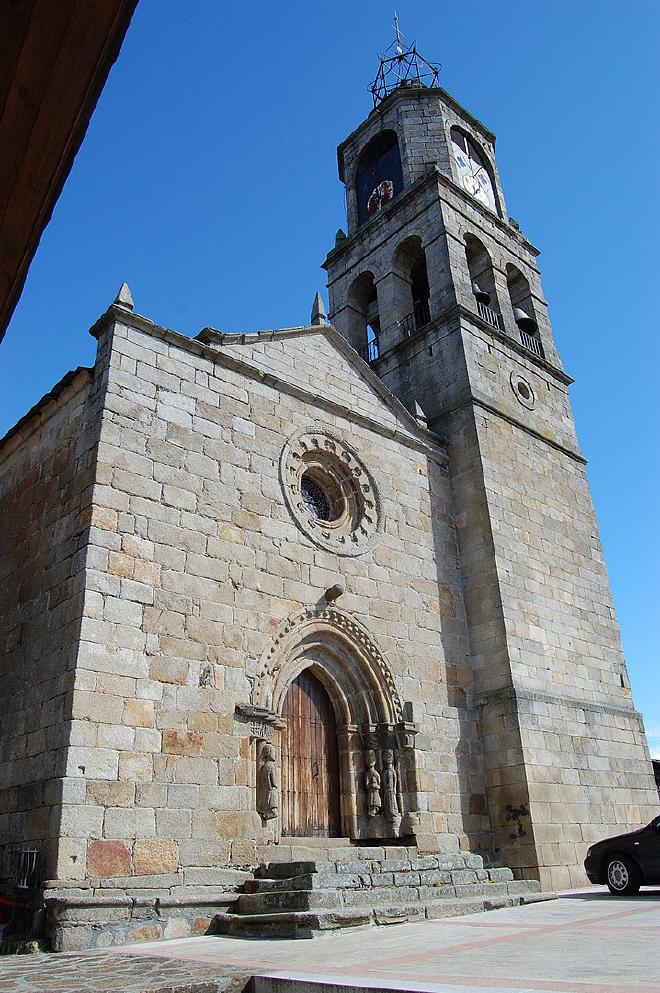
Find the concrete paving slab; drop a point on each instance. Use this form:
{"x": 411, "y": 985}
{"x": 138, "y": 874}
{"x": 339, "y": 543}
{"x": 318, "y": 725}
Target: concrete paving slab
{"x": 584, "y": 942}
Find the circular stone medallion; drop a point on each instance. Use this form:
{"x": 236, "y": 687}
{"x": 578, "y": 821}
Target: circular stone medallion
{"x": 523, "y": 391}
{"x": 330, "y": 494}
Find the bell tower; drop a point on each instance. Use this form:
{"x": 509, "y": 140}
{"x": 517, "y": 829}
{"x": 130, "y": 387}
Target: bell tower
{"x": 439, "y": 290}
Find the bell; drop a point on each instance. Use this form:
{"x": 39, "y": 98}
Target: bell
{"x": 524, "y": 321}
{"x": 481, "y": 296}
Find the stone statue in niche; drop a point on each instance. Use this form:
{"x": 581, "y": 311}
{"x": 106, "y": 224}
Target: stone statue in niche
{"x": 390, "y": 780}
{"x": 372, "y": 784}
{"x": 267, "y": 791}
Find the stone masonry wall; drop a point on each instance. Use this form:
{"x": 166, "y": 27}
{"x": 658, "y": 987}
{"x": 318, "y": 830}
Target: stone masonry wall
{"x": 195, "y": 563}
{"x": 588, "y": 766}
{"x": 46, "y": 468}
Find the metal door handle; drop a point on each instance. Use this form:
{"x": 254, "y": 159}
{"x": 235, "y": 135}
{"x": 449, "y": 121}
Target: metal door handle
{"x": 315, "y": 770}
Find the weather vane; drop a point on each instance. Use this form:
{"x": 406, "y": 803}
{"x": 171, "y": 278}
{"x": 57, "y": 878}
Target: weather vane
{"x": 401, "y": 65}
{"x": 399, "y": 39}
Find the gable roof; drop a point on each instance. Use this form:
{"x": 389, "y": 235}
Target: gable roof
{"x": 319, "y": 360}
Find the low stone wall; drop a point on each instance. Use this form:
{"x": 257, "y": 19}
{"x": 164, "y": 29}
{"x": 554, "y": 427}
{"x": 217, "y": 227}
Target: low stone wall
{"x": 114, "y": 912}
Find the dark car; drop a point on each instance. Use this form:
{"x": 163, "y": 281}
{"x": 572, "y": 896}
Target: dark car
{"x": 628, "y": 861}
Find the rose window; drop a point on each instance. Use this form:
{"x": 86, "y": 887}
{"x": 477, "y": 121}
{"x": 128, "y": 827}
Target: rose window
{"x": 329, "y": 492}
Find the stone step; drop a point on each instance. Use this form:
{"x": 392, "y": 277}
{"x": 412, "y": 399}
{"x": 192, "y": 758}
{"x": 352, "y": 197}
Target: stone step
{"x": 284, "y": 870}
{"x": 308, "y": 924}
{"x": 334, "y": 849}
{"x": 333, "y": 878}
{"x": 313, "y": 841}
{"x": 306, "y": 881}
{"x": 284, "y": 901}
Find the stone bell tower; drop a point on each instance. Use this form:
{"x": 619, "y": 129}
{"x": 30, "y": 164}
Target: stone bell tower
{"x": 438, "y": 289}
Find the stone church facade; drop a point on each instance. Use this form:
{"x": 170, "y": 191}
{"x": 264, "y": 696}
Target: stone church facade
{"x": 337, "y": 581}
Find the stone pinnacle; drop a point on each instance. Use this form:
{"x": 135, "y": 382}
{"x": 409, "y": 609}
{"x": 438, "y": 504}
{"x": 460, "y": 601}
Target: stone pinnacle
{"x": 124, "y": 298}
{"x": 318, "y": 311}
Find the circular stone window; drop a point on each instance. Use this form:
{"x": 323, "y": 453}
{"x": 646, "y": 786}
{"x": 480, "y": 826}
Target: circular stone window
{"x": 329, "y": 492}
{"x": 522, "y": 389}
{"x": 322, "y": 499}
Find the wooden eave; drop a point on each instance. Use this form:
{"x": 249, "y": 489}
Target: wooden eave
{"x": 55, "y": 56}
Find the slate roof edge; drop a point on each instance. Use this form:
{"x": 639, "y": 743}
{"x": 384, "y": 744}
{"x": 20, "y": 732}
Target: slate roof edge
{"x": 44, "y": 409}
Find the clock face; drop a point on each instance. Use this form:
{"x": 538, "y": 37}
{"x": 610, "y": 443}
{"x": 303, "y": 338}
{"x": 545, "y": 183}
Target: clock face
{"x": 472, "y": 170}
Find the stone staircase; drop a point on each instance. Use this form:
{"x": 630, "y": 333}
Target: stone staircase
{"x": 300, "y": 898}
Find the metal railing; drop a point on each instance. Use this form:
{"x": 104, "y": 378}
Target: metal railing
{"x": 491, "y": 317}
{"x": 371, "y": 351}
{"x": 25, "y": 867}
{"x": 531, "y": 343}
{"x": 407, "y": 326}
{"x": 420, "y": 316}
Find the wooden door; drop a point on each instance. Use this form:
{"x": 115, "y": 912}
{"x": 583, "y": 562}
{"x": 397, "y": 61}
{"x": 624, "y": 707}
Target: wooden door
{"x": 310, "y": 766}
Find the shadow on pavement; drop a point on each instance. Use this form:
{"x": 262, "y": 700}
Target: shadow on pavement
{"x": 605, "y": 896}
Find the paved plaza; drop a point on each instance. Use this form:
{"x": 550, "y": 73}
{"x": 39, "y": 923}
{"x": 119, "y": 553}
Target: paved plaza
{"x": 584, "y": 942}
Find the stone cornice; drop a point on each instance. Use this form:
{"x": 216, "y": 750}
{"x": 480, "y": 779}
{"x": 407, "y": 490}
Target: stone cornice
{"x": 429, "y": 179}
{"x": 459, "y": 311}
{"x": 492, "y": 409}
{"x": 514, "y": 694}
{"x": 370, "y": 227}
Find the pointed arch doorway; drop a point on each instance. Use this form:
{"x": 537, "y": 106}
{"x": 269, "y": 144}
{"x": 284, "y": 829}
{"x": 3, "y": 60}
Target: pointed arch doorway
{"x": 310, "y": 763}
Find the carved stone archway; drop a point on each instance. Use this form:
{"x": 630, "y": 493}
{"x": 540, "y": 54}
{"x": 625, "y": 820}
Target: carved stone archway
{"x": 371, "y": 729}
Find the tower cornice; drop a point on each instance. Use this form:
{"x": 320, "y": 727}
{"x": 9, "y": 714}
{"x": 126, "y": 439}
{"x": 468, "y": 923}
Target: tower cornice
{"x": 383, "y": 218}
{"x": 464, "y": 319}
{"x": 412, "y": 93}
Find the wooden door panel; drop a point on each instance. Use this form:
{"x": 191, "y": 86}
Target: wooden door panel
{"x": 310, "y": 766}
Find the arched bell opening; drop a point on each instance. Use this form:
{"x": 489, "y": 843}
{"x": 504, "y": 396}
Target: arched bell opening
{"x": 379, "y": 175}
{"x": 522, "y": 305}
{"x": 482, "y": 280}
{"x": 363, "y": 330}
{"x": 411, "y": 285}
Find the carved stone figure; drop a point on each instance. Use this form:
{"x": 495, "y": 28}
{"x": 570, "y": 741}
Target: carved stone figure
{"x": 391, "y": 805}
{"x": 372, "y": 784}
{"x": 267, "y": 790}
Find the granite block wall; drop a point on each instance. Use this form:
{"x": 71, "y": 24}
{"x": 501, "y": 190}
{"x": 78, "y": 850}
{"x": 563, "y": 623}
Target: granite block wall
{"x": 196, "y": 561}
{"x": 46, "y": 472}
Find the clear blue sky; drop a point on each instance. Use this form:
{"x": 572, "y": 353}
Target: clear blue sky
{"x": 208, "y": 182}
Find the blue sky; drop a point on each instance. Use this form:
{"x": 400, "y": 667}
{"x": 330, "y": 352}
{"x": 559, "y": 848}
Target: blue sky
{"x": 208, "y": 182}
